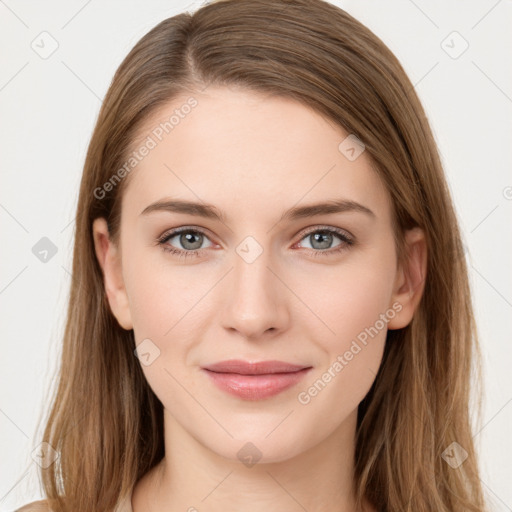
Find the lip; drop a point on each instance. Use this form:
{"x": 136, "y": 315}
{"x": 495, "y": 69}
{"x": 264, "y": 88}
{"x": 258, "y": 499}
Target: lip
{"x": 255, "y": 381}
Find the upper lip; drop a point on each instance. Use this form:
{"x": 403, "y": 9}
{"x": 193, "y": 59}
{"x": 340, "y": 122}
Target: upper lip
{"x": 255, "y": 368}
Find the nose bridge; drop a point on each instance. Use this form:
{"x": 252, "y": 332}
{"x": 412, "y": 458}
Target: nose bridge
{"x": 251, "y": 269}
{"x": 256, "y": 302}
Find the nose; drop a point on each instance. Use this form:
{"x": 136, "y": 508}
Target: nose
{"x": 257, "y": 298}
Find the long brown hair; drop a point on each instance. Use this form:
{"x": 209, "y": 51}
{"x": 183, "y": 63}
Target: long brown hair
{"x": 106, "y": 422}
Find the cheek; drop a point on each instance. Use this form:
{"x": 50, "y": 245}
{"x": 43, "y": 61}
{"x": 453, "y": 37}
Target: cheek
{"x": 346, "y": 301}
{"x": 354, "y": 309}
{"x": 163, "y": 297}
{"x": 167, "y": 304}
{"x": 165, "y": 309}
{"x": 355, "y": 306}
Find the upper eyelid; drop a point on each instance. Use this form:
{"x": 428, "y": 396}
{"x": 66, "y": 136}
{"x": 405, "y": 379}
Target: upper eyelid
{"x": 171, "y": 233}
{"x": 321, "y": 227}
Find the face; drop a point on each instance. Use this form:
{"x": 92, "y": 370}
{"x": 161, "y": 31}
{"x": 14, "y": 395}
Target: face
{"x": 265, "y": 279}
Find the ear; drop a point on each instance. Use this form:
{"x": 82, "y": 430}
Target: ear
{"x": 110, "y": 262}
{"x": 410, "y": 279}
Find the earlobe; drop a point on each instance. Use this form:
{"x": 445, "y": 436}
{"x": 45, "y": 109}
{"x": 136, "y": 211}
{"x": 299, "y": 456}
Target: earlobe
{"x": 410, "y": 280}
{"x": 109, "y": 259}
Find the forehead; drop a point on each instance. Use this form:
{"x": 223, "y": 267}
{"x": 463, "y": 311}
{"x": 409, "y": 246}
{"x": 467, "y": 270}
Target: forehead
{"x": 245, "y": 151}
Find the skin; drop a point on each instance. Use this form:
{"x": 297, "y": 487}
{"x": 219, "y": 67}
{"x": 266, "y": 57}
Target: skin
{"x": 254, "y": 157}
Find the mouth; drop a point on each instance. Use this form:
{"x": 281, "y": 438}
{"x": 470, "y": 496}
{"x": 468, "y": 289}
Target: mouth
{"x": 255, "y": 381}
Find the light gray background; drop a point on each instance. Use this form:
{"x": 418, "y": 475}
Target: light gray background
{"x": 48, "y": 108}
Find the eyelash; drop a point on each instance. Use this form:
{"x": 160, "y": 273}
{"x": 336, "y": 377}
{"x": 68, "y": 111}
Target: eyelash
{"x": 346, "y": 241}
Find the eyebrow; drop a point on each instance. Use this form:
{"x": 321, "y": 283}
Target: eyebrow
{"x": 298, "y": 212}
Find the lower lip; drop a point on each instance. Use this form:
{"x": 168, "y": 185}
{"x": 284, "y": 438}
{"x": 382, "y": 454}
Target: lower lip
{"x": 256, "y": 387}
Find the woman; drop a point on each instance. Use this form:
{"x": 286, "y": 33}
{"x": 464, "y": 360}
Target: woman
{"x": 270, "y": 306}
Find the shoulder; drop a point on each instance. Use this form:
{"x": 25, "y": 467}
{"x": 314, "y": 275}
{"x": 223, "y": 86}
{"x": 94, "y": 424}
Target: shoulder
{"x": 44, "y": 506}
{"x": 35, "y": 506}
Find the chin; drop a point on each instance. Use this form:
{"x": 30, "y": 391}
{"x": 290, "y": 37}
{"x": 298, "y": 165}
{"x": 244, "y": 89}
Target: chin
{"x": 257, "y": 448}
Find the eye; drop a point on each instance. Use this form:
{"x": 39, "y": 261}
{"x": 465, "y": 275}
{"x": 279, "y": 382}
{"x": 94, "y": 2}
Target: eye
{"x": 190, "y": 239}
{"x": 321, "y": 239}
